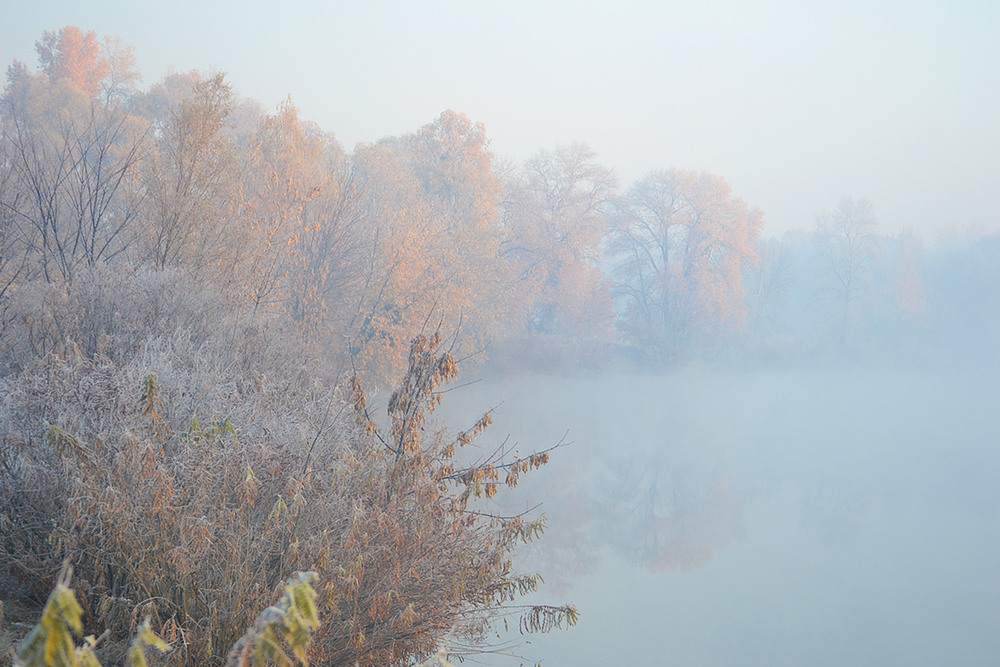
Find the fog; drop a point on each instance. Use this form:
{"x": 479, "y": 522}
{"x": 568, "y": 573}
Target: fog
{"x": 797, "y": 104}
{"x": 735, "y": 269}
{"x": 821, "y": 517}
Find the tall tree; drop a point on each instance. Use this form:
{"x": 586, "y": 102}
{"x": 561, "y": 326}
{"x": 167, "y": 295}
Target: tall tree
{"x": 121, "y": 73}
{"x": 406, "y": 279}
{"x": 75, "y": 55}
{"x": 300, "y": 224}
{"x": 682, "y": 243}
{"x": 191, "y": 179}
{"x": 554, "y": 220}
{"x": 70, "y": 162}
{"x": 429, "y": 210}
{"x": 850, "y": 247}
{"x": 452, "y": 160}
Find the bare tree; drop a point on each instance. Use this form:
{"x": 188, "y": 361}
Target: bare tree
{"x": 68, "y": 161}
{"x": 850, "y": 246}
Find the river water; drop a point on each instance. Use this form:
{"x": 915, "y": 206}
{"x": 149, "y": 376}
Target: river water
{"x": 760, "y": 518}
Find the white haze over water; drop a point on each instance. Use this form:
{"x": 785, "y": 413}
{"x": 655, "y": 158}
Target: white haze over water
{"x": 796, "y": 104}
{"x": 871, "y": 514}
{"x": 823, "y": 517}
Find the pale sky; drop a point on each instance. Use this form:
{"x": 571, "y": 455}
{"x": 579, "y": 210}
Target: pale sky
{"x": 796, "y": 104}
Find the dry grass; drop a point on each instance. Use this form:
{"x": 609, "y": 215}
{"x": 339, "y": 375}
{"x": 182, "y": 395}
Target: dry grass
{"x": 187, "y": 465}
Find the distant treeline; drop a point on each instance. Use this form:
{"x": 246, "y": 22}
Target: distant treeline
{"x": 360, "y": 248}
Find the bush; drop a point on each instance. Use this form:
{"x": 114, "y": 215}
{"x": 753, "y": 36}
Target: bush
{"x": 187, "y": 472}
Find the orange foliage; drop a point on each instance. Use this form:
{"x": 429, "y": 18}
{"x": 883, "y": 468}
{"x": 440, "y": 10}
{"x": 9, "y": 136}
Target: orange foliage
{"x": 553, "y": 221}
{"x": 683, "y": 243}
{"x": 430, "y": 201}
{"x": 73, "y": 54}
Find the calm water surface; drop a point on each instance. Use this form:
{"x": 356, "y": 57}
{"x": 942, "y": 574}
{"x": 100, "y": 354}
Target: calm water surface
{"x": 766, "y": 518}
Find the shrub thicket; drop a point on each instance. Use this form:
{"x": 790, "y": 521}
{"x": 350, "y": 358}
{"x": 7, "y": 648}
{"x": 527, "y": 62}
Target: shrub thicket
{"x": 187, "y": 463}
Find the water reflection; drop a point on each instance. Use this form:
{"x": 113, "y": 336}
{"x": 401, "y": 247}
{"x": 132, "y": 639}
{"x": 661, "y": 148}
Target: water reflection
{"x": 663, "y": 512}
{"x": 625, "y": 487}
{"x": 769, "y": 519}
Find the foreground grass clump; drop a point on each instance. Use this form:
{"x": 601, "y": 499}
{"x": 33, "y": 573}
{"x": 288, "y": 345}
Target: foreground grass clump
{"x": 290, "y": 622}
{"x": 187, "y": 472}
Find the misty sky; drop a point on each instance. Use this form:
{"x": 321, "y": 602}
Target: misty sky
{"x": 795, "y": 103}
